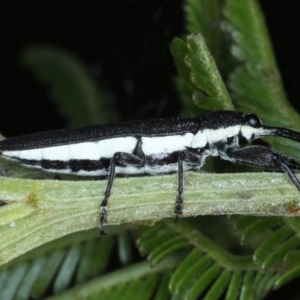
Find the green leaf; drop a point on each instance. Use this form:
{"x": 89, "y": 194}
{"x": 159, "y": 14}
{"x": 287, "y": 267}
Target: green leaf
{"x": 179, "y": 50}
{"x": 24, "y": 289}
{"x": 190, "y": 278}
{"x": 256, "y": 84}
{"x": 259, "y": 227}
{"x": 294, "y": 223}
{"x": 204, "y": 74}
{"x": 39, "y": 211}
{"x": 243, "y": 222}
{"x": 292, "y": 258}
{"x": 234, "y": 286}
{"x": 202, "y": 16}
{"x": 206, "y": 17}
{"x": 279, "y": 253}
{"x": 203, "y": 264}
{"x": 274, "y": 239}
{"x": 272, "y": 242}
{"x": 184, "y": 270}
{"x": 203, "y": 282}
{"x": 286, "y": 277}
{"x": 67, "y": 269}
{"x": 129, "y": 291}
{"x": 246, "y": 288}
{"x": 162, "y": 291}
{"x": 219, "y": 285}
{"x": 90, "y": 265}
{"x": 265, "y": 284}
{"x": 120, "y": 278}
{"x": 76, "y": 93}
{"x": 209, "y": 265}
{"x": 149, "y": 245}
{"x": 8, "y": 289}
{"x": 198, "y": 71}
{"x": 46, "y": 275}
{"x": 147, "y": 287}
{"x": 166, "y": 248}
{"x": 55, "y": 265}
{"x": 125, "y": 248}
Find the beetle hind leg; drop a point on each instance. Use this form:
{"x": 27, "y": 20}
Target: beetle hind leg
{"x": 265, "y": 158}
{"x": 286, "y": 164}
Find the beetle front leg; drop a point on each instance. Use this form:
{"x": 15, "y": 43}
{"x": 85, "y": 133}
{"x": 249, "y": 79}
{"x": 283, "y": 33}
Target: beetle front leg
{"x": 265, "y": 158}
{"x": 118, "y": 159}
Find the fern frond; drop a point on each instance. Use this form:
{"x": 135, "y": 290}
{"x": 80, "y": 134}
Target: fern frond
{"x": 234, "y": 285}
{"x": 272, "y": 242}
{"x": 56, "y": 266}
{"x": 74, "y": 266}
{"x": 208, "y": 270}
{"x": 287, "y": 276}
{"x": 256, "y": 84}
{"x": 198, "y": 71}
{"x": 138, "y": 281}
{"x": 278, "y": 246}
{"x": 207, "y": 18}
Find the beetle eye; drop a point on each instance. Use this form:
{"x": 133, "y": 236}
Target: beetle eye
{"x": 253, "y": 120}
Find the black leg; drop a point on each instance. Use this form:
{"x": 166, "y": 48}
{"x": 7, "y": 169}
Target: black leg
{"x": 111, "y": 177}
{"x": 193, "y": 158}
{"x": 119, "y": 159}
{"x": 290, "y": 174}
{"x": 179, "y": 198}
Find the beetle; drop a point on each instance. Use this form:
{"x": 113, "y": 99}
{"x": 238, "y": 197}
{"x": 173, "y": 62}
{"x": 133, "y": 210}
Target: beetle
{"x": 156, "y": 146}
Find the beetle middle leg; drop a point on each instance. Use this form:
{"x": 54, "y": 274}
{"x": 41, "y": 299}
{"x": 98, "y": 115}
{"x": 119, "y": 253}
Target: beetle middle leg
{"x": 118, "y": 159}
{"x": 179, "y": 197}
{"x": 194, "y": 159}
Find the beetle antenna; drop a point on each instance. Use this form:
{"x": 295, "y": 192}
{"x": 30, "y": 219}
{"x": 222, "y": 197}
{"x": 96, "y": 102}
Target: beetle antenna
{"x": 282, "y": 132}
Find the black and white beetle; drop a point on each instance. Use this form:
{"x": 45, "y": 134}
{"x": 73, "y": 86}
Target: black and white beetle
{"x": 154, "y": 147}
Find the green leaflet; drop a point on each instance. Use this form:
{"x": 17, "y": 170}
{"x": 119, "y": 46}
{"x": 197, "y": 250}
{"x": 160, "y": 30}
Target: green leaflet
{"x": 272, "y": 242}
{"x": 234, "y": 286}
{"x": 200, "y": 79}
{"x": 255, "y": 83}
{"x": 256, "y": 87}
{"x": 207, "y": 270}
{"x": 54, "y": 267}
{"x": 276, "y": 247}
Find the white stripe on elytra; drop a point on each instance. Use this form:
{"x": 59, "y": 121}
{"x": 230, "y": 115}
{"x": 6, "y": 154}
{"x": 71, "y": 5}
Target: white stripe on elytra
{"x": 87, "y": 150}
{"x": 99, "y": 172}
{"x": 166, "y": 144}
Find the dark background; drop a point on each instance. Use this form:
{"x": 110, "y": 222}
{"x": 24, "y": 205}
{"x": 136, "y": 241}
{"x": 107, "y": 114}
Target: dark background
{"x": 125, "y": 46}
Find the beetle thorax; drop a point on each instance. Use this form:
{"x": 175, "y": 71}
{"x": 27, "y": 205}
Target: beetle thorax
{"x": 213, "y": 136}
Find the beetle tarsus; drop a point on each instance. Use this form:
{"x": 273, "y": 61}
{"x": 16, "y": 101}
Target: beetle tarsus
{"x": 103, "y": 216}
{"x": 178, "y": 207}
